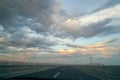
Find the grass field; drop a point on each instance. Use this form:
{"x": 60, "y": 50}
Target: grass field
{"x": 103, "y": 72}
{"x": 7, "y": 71}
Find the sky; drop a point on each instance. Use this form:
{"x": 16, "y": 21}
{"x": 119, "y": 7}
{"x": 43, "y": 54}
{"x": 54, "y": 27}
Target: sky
{"x": 60, "y": 31}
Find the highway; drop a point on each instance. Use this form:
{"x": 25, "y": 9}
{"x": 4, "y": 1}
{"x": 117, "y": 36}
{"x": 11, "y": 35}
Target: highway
{"x": 60, "y": 73}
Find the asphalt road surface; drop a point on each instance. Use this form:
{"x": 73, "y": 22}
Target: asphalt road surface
{"x": 62, "y": 73}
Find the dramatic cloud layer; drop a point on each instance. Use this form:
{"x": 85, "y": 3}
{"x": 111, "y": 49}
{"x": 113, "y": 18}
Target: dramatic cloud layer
{"x": 59, "y": 30}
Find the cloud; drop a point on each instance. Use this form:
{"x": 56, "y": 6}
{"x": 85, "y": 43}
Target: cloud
{"x": 30, "y": 28}
{"x": 38, "y": 15}
{"x": 109, "y": 3}
{"x": 18, "y": 53}
{"x": 19, "y": 56}
{"x": 11, "y": 9}
{"x": 27, "y": 23}
{"x": 25, "y": 37}
{"x": 76, "y": 30}
{"x": 74, "y": 46}
{"x": 111, "y": 41}
{"x": 42, "y": 13}
{"x": 49, "y": 19}
{"x": 99, "y": 49}
{"x": 91, "y": 25}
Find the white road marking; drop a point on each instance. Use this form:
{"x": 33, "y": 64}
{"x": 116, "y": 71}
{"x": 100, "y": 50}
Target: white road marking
{"x": 56, "y": 75}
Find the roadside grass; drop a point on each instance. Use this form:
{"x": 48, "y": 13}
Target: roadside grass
{"x": 103, "y": 72}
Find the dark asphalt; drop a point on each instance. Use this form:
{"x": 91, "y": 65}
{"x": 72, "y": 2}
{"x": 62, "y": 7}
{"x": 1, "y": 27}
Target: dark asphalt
{"x": 62, "y": 73}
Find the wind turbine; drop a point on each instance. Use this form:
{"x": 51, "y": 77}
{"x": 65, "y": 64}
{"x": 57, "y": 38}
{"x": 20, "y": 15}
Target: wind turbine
{"x": 91, "y": 60}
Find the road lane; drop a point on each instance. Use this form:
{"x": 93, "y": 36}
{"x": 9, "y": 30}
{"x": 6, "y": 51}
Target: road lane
{"x": 62, "y": 73}
{"x": 47, "y": 74}
{"x": 70, "y": 73}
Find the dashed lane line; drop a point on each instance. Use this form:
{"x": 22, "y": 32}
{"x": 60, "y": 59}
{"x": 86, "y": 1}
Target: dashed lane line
{"x": 56, "y": 75}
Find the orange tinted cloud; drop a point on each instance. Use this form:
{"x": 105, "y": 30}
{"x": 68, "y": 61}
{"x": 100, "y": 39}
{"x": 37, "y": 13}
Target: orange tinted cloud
{"x": 67, "y": 51}
{"x": 100, "y": 48}
{"x": 20, "y": 54}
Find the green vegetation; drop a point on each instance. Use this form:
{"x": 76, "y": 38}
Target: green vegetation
{"x": 103, "y": 72}
{"x": 7, "y": 71}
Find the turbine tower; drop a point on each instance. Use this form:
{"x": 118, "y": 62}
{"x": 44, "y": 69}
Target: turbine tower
{"x": 91, "y": 60}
